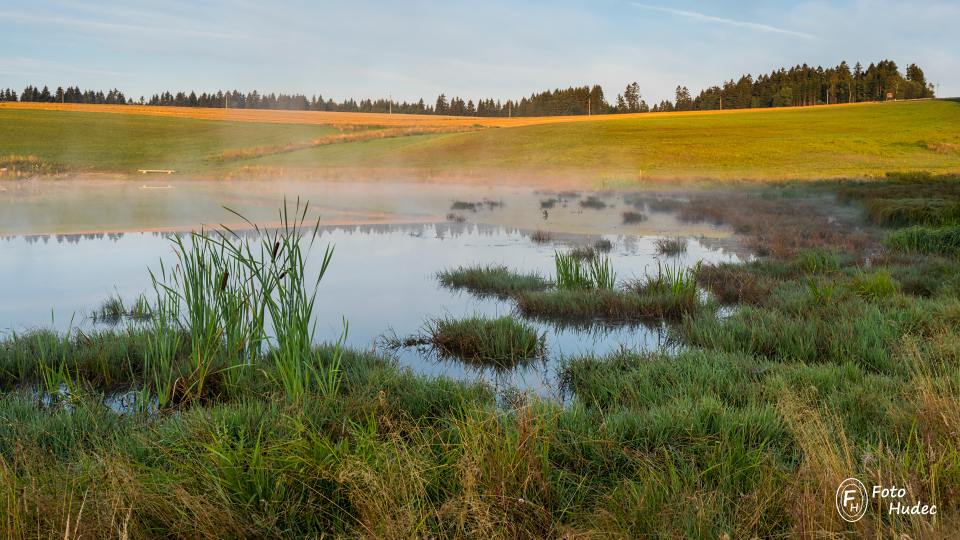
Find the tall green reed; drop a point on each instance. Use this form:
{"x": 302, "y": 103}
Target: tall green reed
{"x": 574, "y": 274}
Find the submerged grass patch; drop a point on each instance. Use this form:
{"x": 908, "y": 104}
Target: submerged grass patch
{"x": 502, "y": 342}
{"x": 671, "y": 246}
{"x": 492, "y": 280}
{"x": 583, "y": 305}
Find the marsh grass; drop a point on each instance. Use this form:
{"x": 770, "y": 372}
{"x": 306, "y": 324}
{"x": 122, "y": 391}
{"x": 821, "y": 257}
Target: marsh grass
{"x": 541, "y": 237}
{"x": 671, "y": 246}
{"x": 603, "y": 245}
{"x": 113, "y": 310}
{"x": 593, "y": 202}
{"x": 630, "y": 218}
{"x": 608, "y": 305}
{"x": 503, "y": 342}
{"x": 926, "y": 240}
{"x": 921, "y": 211}
{"x": 464, "y": 205}
{"x": 574, "y": 273}
{"x": 494, "y": 280}
{"x": 736, "y": 283}
{"x": 583, "y": 253}
{"x": 822, "y": 373}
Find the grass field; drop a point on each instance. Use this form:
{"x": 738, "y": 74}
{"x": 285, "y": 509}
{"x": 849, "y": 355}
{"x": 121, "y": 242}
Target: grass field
{"x": 794, "y": 143}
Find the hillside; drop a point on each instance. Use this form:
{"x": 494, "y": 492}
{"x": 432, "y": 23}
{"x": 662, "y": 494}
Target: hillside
{"x": 810, "y": 142}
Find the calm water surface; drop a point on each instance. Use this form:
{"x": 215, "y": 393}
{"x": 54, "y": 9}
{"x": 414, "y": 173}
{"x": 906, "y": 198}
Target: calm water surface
{"x": 382, "y": 280}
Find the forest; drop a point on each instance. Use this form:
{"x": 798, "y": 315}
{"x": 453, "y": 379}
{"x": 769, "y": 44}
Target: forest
{"x": 801, "y": 85}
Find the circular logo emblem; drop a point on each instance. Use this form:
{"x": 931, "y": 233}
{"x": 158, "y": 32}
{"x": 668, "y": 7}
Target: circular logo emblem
{"x": 852, "y": 500}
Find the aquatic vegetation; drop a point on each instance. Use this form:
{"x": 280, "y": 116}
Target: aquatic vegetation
{"x": 736, "y": 283}
{"x": 630, "y": 218}
{"x": 541, "y": 237}
{"x": 926, "y": 240}
{"x": 593, "y": 202}
{"x": 492, "y": 280}
{"x": 610, "y": 305}
{"x": 674, "y": 280}
{"x": 671, "y": 246}
{"x": 825, "y": 370}
{"x": 922, "y": 211}
{"x": 501, "y": 342}
{"x": 574, "y": 273}
{"x": 464, "y": 205}
{"x": 603, "y": 245}
{"x": 456, "y": 218}
{"x": 113, "y": 310}
{"x": 583, "y": 253}
{"x": 547, "y": 204}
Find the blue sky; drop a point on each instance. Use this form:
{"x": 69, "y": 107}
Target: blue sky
{"x": 496, "y": 48}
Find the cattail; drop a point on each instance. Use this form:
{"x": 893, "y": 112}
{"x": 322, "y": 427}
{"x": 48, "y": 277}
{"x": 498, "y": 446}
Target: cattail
{"x": 276, "y": 247}
{"x": 223, "y": 280}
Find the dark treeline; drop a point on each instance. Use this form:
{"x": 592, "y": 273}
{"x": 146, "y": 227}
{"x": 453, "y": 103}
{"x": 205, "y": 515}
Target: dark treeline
{"x": 806, "y": 85}
{"x": 797, "y": 86}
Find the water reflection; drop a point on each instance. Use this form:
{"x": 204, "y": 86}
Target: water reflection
{"x": 382, "y": 279}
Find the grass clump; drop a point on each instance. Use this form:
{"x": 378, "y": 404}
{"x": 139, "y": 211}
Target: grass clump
{"x": 456, "y": 218}
{"x": 926, "y": 240}
{"x": 875, "y": 285}
{"x": 541, "y": 237}
{"x": 603, "y": 245}
{"x": 608, "y": 305}
{"x": 671, "y": 246}
{"x": 574, "y": 273}
{"x": 631, "y": 217}
{"x": 113, "y": 310}
{"x": 736, "y": 283}
{"x": 492, "y": 280}
{"x": 583, "y": 253}
{"x": 672, "y": 280}
{"x": 502, "y": 342}
{"x": 920, "y": 211}
{"x": 593, "y": 202}
{"x": 465, "y": 205}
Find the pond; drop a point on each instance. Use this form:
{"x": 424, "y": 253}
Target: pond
{"x": 383, "y": 276}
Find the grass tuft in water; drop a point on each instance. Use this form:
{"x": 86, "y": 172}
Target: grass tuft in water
{"x": 631, "y": 217}
{"x": 671, "y": 246}
{"x": 502, "y": 342}
{"x": 492, "y": 280}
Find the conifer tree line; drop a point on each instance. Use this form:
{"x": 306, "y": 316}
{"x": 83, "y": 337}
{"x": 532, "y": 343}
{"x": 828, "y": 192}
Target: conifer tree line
{"x": 797, "y": 86}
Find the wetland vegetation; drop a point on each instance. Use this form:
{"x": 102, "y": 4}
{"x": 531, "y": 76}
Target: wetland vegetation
{"x": 831, "y": 353}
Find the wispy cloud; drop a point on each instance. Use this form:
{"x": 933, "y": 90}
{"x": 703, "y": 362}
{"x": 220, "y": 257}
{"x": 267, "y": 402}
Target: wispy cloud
{"x": 119, "y": 27}
{"x": 723, "y": 20}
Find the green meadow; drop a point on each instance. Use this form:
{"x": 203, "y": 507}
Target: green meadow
{"x": 796, "y": 143}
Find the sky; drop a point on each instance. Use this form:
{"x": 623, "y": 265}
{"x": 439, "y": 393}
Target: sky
{"x": 499, "y": 49}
